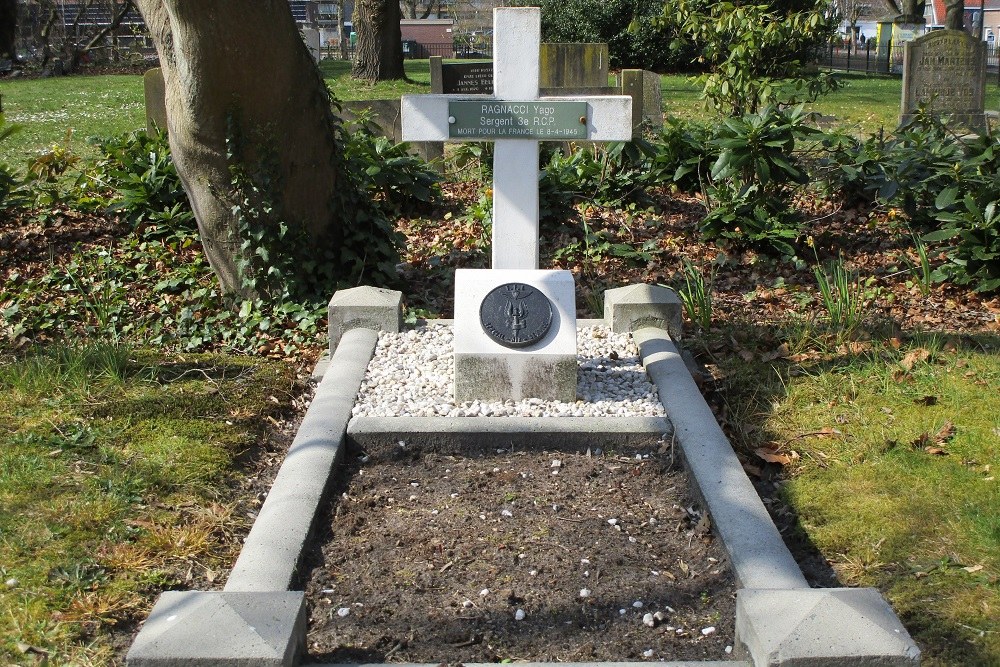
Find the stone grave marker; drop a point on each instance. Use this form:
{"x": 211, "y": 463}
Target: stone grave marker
{"x": 515, "y": 326}
{"x": 155, "y": 93}
{"x": 946, "y": 70}
{"x": 573, "y": 65}
{"x": 464, "y": 78}
{"x": 647, "y": 97}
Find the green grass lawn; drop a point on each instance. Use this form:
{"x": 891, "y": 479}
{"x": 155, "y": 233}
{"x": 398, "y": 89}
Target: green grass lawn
{"x": 895, "y": 477}
{"x": 89, "y": 106}
{"x": 107, "y": 105}
{"x": 864, "y": 104}
{"x": 114, "y": 470}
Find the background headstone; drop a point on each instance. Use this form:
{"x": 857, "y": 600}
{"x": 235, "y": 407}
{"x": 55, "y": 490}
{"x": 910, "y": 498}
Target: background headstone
{"x": 461, "y": 78}
{"x": 313, "y": 42}
{"x": 946, "y": 70}
{"x": 573, "y": 65}
{"x": 384, "y": 116}
{"x": 647, "y": 97}
{"x": 156, "y": 104}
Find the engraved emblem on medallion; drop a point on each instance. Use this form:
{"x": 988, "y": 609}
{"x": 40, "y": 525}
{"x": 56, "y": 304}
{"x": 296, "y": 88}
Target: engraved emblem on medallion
{"x": 515, "y": 315}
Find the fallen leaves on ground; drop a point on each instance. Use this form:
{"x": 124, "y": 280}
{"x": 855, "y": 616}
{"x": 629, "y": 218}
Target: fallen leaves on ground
{"x": 777, "y": 456}
{"x": 934, "y": 444}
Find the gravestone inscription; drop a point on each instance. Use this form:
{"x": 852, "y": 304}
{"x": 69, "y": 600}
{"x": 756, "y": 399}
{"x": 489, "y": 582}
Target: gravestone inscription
{"x": 946, "y": 71}
{"x": 467, "y": 78}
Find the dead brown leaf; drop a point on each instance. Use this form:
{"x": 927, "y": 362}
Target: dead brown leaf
{"x": 914, "y": 356}
{"x": 781, "y": 352}
{"x": 933, "y": 444}
{"x": 776, "y": 456}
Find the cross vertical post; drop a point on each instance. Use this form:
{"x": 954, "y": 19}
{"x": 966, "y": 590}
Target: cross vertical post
{"x": 516, "y": 47}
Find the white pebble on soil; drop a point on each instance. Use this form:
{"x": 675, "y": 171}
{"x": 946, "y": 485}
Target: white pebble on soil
{"x": 519, "y": 615}
{"x": 412, "y": 374}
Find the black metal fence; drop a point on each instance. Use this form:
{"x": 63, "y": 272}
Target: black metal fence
{"x": 416, "y": 50}
{"x": 871, "y": 59}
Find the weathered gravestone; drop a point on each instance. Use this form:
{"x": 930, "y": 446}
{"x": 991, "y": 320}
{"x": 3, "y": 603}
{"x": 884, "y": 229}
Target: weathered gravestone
{"x": 155, "y": 92}
{"x": 579, "y": 68}
{"x": 946, "y": 71}
{"x": 515, "y": 326}
{"x": 463, "y": 78}
{"x": 573, "y": 65}
{"x": 647, "y": 97}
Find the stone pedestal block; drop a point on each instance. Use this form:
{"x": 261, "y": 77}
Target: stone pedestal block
{"x": 364, "y": 308}
{"x": 489, "y": 371}
{"x": 222, "y": 629}
{"x": 635, "y": 306}
{"x": 821, "y": 628}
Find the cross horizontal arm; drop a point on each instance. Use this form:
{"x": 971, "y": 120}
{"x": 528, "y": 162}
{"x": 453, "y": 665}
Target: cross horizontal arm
{"x": 425, "y": 117}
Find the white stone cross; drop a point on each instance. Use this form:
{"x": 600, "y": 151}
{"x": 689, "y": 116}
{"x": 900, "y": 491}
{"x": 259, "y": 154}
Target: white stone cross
{"x": 516, "y": 39}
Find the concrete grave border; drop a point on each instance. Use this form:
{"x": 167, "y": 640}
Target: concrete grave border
{"x": 257, "y": 621}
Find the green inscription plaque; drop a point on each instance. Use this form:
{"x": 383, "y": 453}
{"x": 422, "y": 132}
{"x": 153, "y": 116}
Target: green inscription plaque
{"x": 496, "y": 119}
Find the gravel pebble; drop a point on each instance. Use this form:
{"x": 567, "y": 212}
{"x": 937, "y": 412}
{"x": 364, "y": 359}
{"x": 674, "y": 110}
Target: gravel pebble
{"x": 412, "y": 374}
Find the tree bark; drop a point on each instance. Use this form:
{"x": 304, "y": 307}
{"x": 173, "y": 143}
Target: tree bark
{"x": 954, "y": 18}
{"x": 379, "y": 55}
{"x": 245, "y": 66}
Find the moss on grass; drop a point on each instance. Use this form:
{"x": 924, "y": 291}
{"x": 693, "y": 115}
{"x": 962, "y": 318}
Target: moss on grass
{"x": 114, "y": 471}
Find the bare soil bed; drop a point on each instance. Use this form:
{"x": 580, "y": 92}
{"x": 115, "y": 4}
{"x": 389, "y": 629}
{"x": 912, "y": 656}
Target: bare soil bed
{"x": 430, "y": 557}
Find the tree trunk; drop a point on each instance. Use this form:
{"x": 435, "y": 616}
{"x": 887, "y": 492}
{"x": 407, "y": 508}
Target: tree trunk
{"x": 8, "y": 28}
{"x": 954, "y": 17}
{"x": 379, "y": 54}
{"x": 245, "y": 67}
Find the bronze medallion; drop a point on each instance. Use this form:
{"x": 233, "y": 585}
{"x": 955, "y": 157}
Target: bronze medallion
{"x": 515, "y": 315}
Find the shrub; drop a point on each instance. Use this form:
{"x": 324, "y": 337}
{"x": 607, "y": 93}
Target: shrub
{"x": 682, "y": 154}
{"x": 138, "y": 166}
{"x": 974, "y": 257}
{"x": 945, "y": 183}
{"x": 627, "y": 26}
{"x": 749, "y": 203}
{"x": 756, "y": 55}
{"x": 7, "y": 178}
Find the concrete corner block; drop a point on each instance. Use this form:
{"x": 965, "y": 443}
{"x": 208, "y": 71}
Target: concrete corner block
{"x": 364, "y": 308}
{"x": 223, "y": 629}
{"x": 636, "y": 306}
{"x": 815, "y": 627}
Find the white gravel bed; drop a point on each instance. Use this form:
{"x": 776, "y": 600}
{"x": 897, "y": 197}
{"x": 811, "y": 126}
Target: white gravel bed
{"x": 412, "y": 375}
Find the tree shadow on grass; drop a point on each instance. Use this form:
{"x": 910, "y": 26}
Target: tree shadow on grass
{"x": 744, "y": 394}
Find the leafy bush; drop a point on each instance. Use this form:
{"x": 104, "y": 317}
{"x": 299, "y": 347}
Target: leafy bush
{"x": 681, "y": 154}
{"x": 148, "y": 189}
{"x": 756, "y": 55}
{"x": 604, "y": 176}
{"x": 626, "y": 26}
{"x": 387, "y": 173}
{"x": 974, "y": 259}
{"x": 7, "y": 178}
{"x": 749, "y": 204}
{"x": 943, "y": 182}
